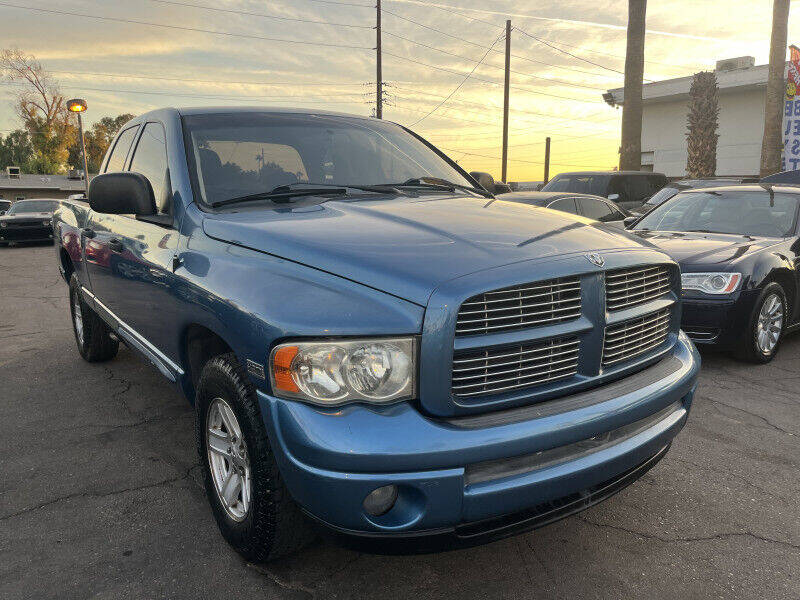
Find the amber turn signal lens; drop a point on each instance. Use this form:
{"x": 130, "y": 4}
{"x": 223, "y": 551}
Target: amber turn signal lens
{"x": 282, "y": 369}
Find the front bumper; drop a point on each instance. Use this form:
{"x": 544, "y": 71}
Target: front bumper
{"x": 26, "y": 234}
{"x": 465, "y": 480}
{"x": 718, "y": 322}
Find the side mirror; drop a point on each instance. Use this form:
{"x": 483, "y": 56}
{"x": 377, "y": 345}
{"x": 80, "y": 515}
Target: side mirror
{"x": 628, "y": 221}
{"x": 2, "y": 212}
{"x": 502, "y": 188}
{"x": 613, "y": 197}
{"x": 122, "y": 194}
{"x": 485, "y": 180}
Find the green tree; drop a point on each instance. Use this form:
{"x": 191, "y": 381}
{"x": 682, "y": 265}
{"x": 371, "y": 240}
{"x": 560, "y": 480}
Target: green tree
{"x": 15, "y": 150}
{"x": 702, "y": 121}
{"x": 41, "y": 107}
{"x": 98, "y": 139}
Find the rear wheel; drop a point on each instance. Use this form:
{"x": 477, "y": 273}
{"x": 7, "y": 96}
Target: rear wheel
{"x": 250, "y": 502}
{"x": 766, "y": 325}
{"x": 92, "y": 335}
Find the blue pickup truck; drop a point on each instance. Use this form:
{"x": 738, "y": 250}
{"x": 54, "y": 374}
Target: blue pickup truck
{"x": 374, "y": 345}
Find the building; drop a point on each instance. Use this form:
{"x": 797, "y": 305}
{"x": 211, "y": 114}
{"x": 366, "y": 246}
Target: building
{"x": 15, "y": 185}
{"x": 742, "y": 92}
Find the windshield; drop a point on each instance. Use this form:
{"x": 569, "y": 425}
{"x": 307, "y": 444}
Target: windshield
{"x": 32, "y": 206}
{"x": 234, "y": 155}
{"x": 596, "y": 185}
{"x": 756, "y": 213}
{"x": 661, "y": 195}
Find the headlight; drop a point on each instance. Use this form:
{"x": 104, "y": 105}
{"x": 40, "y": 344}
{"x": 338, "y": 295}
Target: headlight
{"x": 711, "y": 283}
{"x": 336, "y": 372}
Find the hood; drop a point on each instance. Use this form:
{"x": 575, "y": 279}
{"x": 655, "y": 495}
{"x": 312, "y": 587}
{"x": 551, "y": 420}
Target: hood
{"x": 37, "y": 216}
{"x": 706, "y": 249}
{"x": 409, "y": 246}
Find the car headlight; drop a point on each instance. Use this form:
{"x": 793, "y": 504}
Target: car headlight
{"x": 331, "y": 373}
{"x": 711, "y": 283}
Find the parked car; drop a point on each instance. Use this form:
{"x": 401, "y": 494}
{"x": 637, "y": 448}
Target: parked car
{"x": 27, "y": 221}
{"x": 4, "y": 206}
{"x": 585, "y": 205}
{"x": 628, "y": 189}
{"x": 370, "y": 342}
{"x": 738, "y": 248}
{"x": 681, "y": 185}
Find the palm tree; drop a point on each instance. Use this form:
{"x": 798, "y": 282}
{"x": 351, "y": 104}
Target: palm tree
{"x": 631, "y": 148}
{"x": 703, "y": 120}
{"x": 772, "y": 144}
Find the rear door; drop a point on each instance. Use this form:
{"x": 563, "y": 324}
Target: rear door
{"x": 99, "y": 230}
{"x": 143, "y": 248}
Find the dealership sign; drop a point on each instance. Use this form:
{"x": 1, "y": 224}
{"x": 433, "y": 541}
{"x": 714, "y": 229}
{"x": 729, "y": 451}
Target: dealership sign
{"x": 791, "y": 114}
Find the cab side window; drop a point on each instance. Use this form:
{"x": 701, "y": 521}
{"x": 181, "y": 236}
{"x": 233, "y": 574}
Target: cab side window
{"x": 150, "y": 159}
{"x": 116, "y": 160}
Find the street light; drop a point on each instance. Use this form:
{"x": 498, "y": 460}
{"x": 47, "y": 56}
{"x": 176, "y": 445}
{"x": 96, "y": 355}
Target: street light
{"x": 78, "y": 105}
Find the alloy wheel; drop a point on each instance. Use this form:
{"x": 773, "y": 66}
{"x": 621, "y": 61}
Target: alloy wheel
{"x": 77, "y": 315}
{"x": 228, "y": 460}
{"x": 769, "y": 324}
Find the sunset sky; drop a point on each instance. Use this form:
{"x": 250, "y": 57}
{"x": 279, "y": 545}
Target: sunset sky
{"x": 146, "y": 54}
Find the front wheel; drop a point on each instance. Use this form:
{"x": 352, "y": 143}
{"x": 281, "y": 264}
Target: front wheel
{"x": 250, "y": 502}
{"x": 766, "y": 326}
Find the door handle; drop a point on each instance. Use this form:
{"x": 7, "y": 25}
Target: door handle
{"x": 88, "y": 233}
{"x": 115, "y": 245}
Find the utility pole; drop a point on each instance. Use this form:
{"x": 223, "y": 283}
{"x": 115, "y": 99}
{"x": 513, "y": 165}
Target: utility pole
{"x": 379, "y": 89}
{"x": 505, "y": 101}
{"x": 631, "y": 149}
{"x": 772, "y": 142}
{"x": 546, "y": 159}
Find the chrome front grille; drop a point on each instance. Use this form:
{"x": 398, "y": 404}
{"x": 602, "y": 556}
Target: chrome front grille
{"x": 521, "y": 306}
{"x": 506, "y": 368}
{"x": 635, "y": 337}
{"x": 629, "y": 287}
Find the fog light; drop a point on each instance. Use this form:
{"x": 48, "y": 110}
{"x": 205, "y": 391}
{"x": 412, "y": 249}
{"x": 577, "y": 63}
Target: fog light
{"x": 381, "y": 500}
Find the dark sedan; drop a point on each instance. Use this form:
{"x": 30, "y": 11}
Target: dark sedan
{"x": 28, "y": 221}
{"x": 682, "y": 185}
{"x": 738, "y": 248}
{"x": 585, "y": 205}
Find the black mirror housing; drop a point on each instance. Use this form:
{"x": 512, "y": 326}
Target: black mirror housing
{"x": 485, "y": 180}
{"x": 122, "y": 194}
{"x": 628, "y": 221}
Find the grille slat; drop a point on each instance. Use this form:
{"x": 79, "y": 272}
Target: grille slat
{"x": 538, "y": 363}
{"x": 630, "y": 287}
{"x": 521, "y": 306}
{"x": 635, "y": 337}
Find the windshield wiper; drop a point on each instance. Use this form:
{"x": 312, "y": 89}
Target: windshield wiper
{"x": 284, "y": 193}
{"x": 436, "y": 183}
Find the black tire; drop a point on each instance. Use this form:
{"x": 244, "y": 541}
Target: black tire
{"x": 95, "y": 343}
{"x": 273, "y": 526}
{"x": 750, "y": 350}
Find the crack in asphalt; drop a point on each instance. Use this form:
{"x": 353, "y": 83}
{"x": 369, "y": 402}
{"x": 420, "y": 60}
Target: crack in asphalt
{"x": 682, "y": 540}
{"x": 280, "y": 582}
{"x": 747, "y": 412}
{"x": 96, "y": 494}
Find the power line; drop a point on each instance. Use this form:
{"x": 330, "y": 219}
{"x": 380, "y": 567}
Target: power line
{"x": 135, "y": 76}
{"x": 181, "y": 28}
{"x": 557, "y": 81}
{"x": 517, "y": 56}
{"x": 262, "y": 15}
{"x": 496, "y": 83}
{"x": 458, "y": 87}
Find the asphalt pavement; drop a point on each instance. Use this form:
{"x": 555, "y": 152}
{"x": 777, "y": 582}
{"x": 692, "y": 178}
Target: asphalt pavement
{"x": 100, "y": 494}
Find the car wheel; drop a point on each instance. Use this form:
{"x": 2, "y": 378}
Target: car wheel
{"x": 92, "y": 335}
{"x": 766, "y": 326}
{"x": 253, "y": 509}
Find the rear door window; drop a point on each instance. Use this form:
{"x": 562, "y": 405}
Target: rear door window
{"x": 116, "y": 160}
{"x": 150, "y": 159}
{"x": 595, "y": 209}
